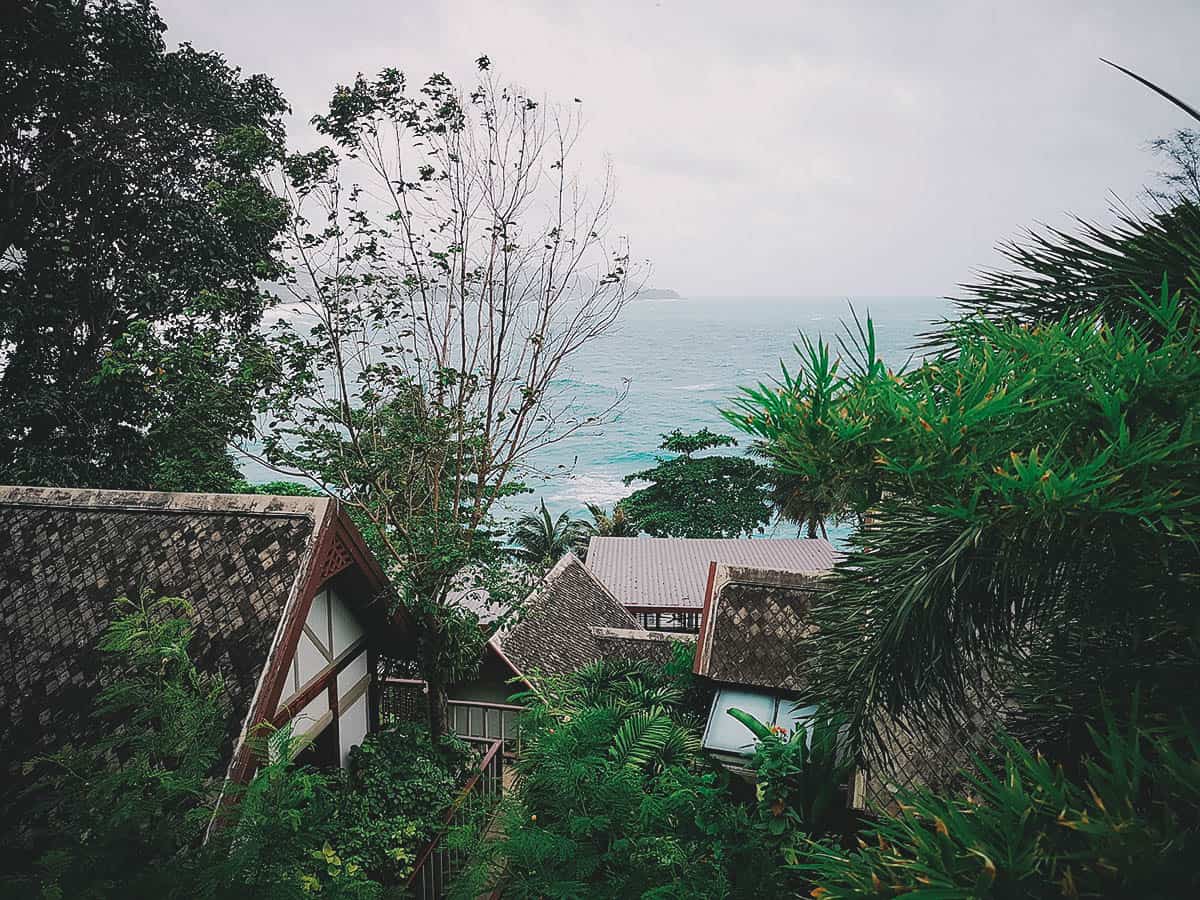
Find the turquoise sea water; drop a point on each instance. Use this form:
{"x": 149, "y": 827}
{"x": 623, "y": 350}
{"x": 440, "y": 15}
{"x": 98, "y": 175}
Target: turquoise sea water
{"x": 680, "y": 361}
{"x": 683, "y": 360}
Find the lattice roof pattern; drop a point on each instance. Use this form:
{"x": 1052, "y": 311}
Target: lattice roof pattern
{"x": 753, "y": 622}
{"x": 554, "y": 635}
{"x": 65, "y": 555}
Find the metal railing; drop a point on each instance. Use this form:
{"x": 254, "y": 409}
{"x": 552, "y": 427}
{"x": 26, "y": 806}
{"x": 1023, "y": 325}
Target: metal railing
{"x": 407, "y": 700}
{"x": 440, "y": 862}
{"x": 490, "y": 721}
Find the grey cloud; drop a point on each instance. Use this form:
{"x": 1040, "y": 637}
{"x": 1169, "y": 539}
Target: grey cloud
{"x": 815, "y": 148}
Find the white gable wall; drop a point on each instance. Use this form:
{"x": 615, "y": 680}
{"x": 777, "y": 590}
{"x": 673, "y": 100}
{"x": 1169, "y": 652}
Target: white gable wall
{"x": 352, "y": 727}
{"x": 330, "y": 629}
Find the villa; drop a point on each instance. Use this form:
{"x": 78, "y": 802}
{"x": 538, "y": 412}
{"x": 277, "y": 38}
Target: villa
{"x": 289, "y": 608}
{"x": 662, "y": 581}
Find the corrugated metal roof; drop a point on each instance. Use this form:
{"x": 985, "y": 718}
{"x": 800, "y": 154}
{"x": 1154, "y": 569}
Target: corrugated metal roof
{"x": 670, "y": 573}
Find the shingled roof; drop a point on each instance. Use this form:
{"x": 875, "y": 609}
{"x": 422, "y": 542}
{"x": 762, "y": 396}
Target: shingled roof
{"x": 750, "y": 634}
{"x": 669, "y": 573}
{"x": 753, "y": 620}
{"x": 554, "y": 634}
{"x": 241, "y": 561}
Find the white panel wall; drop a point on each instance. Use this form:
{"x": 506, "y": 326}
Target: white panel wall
{"x": 311, "y": 715}
{"x": 352, "y": 674}
{"x": 318, "y": 618}
{"x": 352, "y": 727}
{"x": 329, "y": 630}
{"x": 309, "y": 659}
{"x": 346, "y": 629}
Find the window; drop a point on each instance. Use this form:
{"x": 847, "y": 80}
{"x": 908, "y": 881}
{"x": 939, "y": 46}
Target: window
{"x": 725, "y": 734}
{"x": 670, "y": 621}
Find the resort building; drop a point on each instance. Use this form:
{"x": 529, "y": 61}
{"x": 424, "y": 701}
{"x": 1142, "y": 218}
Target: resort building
{"x": 752, "y": 626}
{"x": 662, "y": 581}
{"x": 567, "y": 622}
{"x": 288, "y": 605}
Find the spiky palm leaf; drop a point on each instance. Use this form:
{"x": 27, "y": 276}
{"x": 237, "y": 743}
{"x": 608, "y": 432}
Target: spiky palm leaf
{"x": 617, "y": 523}
{"x": 1026, "y": 484}
{"x": 641, "y": 739}
{"x": 539, "y": 539}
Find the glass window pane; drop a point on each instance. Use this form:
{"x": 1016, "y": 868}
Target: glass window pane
{"x": 727, "y": 734}
{"x": 792, "y": 714}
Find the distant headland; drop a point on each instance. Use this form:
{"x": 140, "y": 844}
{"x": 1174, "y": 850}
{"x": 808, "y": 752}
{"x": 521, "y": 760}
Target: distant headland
{"x": 657, "y": 294}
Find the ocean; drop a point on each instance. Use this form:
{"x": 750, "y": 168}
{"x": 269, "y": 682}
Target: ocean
{"x": 680, "y": 362}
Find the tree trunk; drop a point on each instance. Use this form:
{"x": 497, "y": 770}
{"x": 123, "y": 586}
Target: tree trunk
{"x": 812, "y": 526}
{"x": 439, "y": 711}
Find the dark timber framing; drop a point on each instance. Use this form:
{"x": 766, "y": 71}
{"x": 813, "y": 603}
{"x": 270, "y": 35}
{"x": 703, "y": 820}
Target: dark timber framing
{"x": 338, "y": 546}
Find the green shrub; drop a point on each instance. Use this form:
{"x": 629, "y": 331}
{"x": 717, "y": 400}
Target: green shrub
{"x": 801, "y": 776}
{"x": 615, "y": 799}
{"x": 396, "y": 790}
{"x": 284, "y": 840}
{"x": 127, "y": 816}
{"x": 109, "y": 817}
{"x": 1130, "y": 827}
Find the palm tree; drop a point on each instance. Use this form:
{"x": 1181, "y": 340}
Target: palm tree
{"x": 796, "y": 498}
{"x": 541, "y": 540}
{"x": 796, "y": 502}
{"x": 617, "y": 523}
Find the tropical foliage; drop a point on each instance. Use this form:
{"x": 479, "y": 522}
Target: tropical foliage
{"x": 135, "y": 235}
{"x": 1033, "y": 500}
{"x": 614, "y": 799}
{"x": 397, "y": 785}
{"x": 693, "y": 496}
{"x": 802, "y": 775}
{"x": 540, "y": 541}
{"x": 129, "y": 815}
{"x": 615, "y": 523}
{"x": 1026, "y": 552}
{"x": 1127, "y": 826}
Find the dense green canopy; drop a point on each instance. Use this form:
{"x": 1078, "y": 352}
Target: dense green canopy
{"x": 690, "y": 496}
{"x": 1032, "y": 494}
{"x": 135, "y": 231}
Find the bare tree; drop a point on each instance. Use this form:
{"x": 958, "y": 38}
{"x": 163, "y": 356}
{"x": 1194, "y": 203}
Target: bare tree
{"x": 440, "y": 294}
{"x": 1182, "y": 180}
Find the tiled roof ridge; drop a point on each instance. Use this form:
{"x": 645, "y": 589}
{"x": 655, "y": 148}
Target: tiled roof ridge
{"x": 564, "y": 563}
{"x": 164, "y": 501}
{"x": 757, "y": 575}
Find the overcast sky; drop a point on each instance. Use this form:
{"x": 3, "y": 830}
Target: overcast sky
{"x": 784, "y": 148}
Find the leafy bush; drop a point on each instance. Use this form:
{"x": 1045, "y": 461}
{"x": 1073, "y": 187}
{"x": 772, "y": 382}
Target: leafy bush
{"x": 111, "y": 815}
{"x": 801, "y": 776}
{"x": 1130, "y": 827}
{"x": 128, "y": 815}
{"x": 282, "y": 838}
{"x": 1034, "y": 496}
{"x": 614, "y": 798}
{"x": 396, "y": 789}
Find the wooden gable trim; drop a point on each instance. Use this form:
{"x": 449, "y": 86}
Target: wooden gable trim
{"x": 274, "y": 675}
{"x": 337, "y": 545}
{"x": 319, "y": 682}
{"x": 700, "y": 663}
{"x": 494, "y": 646}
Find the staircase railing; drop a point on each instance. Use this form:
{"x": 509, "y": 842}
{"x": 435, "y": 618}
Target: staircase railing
{"x": 439, "y": 863}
